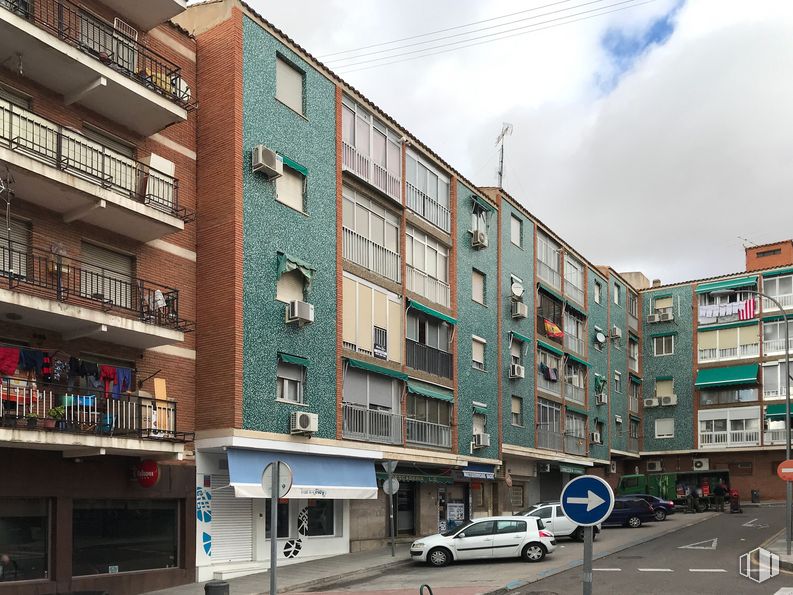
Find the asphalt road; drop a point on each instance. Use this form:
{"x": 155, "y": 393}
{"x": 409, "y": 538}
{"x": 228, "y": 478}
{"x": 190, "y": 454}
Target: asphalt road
{"x": 665, "y": 565}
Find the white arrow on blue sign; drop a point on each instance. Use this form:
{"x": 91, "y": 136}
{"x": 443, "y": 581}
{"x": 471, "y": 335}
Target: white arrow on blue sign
{"x": 587, "y": 500}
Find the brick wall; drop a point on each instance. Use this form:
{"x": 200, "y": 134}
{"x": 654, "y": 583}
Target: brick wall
{"x": 769, "y": 256}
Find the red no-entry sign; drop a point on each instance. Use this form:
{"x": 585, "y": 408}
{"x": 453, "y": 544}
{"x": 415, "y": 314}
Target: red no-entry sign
{"x": 785, "y": 470}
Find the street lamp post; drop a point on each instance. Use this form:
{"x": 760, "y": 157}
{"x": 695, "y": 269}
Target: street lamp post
{"x": 788, "y": 484}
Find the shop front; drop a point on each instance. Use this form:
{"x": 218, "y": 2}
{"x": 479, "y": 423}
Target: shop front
{"x": 554, "y": 476}
{"x": 477, "y": 480}
{"x": 234, "y": 527}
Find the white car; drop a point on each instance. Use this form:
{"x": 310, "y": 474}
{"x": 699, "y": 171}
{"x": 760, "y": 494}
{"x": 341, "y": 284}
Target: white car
{"x": 485, "y": 538}
{"x": 555, "y": 520}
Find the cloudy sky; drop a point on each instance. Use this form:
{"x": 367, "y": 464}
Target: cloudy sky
{"x": 651, "y": 138}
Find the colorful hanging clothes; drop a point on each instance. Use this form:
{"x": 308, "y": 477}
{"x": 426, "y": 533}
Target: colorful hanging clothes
{"x": 31, "y": 359}
{"x": 107, "y": 374}
{"x": 552, "y": 330}
{"x": 60, "y": 370}
{"x": 9, "y": 360}
{"x": 46, "y": 367}
{"x": 123, "y": 382}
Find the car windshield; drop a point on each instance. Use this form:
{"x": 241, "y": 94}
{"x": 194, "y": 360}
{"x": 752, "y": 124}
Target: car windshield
{"x": 529, "y": 510}
{"x": 451, "y": 532}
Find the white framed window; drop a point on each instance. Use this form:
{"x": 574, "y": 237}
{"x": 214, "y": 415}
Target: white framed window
{"x": 516, "y": 352}
{"x": 517, "y": 411}
{"x": 778, "y": 287}
{"x": 478, "y": 352}
{"x": 617, "y": 292}
{"x": 427, "y": 255}
{"x": 289, "y": 385}
{"x": 479, "y": 422}
{"x": 290, "y": 287}
{"x": 574, "y": 279}
{"x": 633, "y": 354}
{"x": 370, "y": 220}
{"x": 664, "y": 345}
{"x": 598, "y": 293}
{"x": 633, "y": 305}
{"x": 617, "y": 382}
{"x": 290, "y": 189}
{"x": 478, "y": 286}
{"x": 516, "y": 231}
{"x": 548, "y": 253}
{"x": 289, "y": 85}
{"x": 774, "y": 385}
{"x": 427, "y": 191}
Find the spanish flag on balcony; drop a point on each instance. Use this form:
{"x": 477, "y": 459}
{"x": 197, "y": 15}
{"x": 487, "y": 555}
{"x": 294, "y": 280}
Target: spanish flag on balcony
{"x": 552, "y": 331}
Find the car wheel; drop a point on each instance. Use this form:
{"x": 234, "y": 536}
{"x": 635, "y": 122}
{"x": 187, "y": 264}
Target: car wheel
{"x": 634, "y": 522}
{"x": 578, "y": 534}
{"x": 439, "y": 557}
{"x": 660, "y": 514}
{"x": 533, "y": 552}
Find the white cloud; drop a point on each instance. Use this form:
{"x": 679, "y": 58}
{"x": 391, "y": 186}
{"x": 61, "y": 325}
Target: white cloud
{"x": 691, "y": 148}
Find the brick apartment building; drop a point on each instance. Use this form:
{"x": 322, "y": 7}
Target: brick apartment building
{"x": 97, "y": 295}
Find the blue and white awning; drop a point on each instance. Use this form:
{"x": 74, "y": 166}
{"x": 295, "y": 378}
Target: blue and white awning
{"x": 330, "y": 478}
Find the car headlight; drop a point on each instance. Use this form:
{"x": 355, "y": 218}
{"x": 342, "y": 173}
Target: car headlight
{"x": 417, "y": 545}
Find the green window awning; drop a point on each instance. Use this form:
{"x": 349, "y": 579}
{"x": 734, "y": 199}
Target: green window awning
{"x": 480, "y": 410}
{"x": 732, "y": 376}
{"x": 635, "y": 379}
{"x": 551, "y": 348}
{"x": 519, "y": 337}
{"x": 575, "y": 407}
{"x": 292, "y": 164}
{"x": 778, "y": 272}
{"x": 716, "y": 327}
{"x": 664, "y": 377}
{"x": 574, "y": 306}
{"x": 288, "y": 263}
{"x": 775, "y": 318}
{"x": 361, "y": 365}
{"x": 483, "y": 204}
{"x": 578, "y": 360}
{"x": 571, "y": 469}
{"x": 666, "y": 334}
{"x": 550, "y": 291}
{"x": 434, "y": 313}
{"x": 288, "y": 358}
{"x": 430, "y": 391}
{"x": 775, "y": 412}
{"x": 728, "y": 284}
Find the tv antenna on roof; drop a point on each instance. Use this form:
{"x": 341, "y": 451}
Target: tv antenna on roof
{"x": 747, "y": 241}
{"x": 506, "y": 130}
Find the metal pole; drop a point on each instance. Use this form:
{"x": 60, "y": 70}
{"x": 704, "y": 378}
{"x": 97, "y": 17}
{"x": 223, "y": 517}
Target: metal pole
{"x": 274, "y": 529}
{"x": 501, "y": 165}
{"x": 391, "y": 524}
{"x": 587, "y": 582}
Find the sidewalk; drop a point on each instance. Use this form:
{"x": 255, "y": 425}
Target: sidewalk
{"x": 778, "y": 546}
{"x": 311, "y": 574}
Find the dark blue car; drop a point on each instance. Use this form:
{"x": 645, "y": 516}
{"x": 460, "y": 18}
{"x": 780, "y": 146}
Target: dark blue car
{"x": 662, "y": 508}
{"x": 630, "y": 512}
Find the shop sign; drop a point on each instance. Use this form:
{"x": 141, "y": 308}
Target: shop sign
{"x": 479, "y": 472}
{"x": 571, "y": 469}
{"x": 146, "y": 473}
{"x": 455, "y": 511}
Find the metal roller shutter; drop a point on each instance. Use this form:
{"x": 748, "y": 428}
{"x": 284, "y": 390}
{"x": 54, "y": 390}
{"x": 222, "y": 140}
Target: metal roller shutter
{"x": 232, "y": 523}
{"x": 16, "y": 259}
{"x": 107, "y": 276}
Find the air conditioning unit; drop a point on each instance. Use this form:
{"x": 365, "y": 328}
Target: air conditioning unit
{"x": 520, "y": 310}
{"x": 303, "y": 423}
{"x": 300, "y": 312}
{"x": 701, "y": 464}
{"x": 654, "y": 465}
{"x": 616, "y": 332}
{"x": 267, "y": 161}
{"x": 613, "y": 467}
{"x": 595, "y": 437}
{"x": 602, "y": 399}
{"x": 651, "y": 402}
{"x": 479, "y": 239}
{"x": 543, "y": 467}
{"x": 669, "y": 400}
{"x": 481, "y": 440}
{"x": 517, "y": 371}
{"x": 651, "y": 318}
{"x": 666, "y": 317}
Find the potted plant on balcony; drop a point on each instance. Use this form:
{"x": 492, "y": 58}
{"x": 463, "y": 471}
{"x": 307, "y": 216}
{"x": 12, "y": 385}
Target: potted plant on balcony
{"x": 58, "y": 414}
{"x": 32, "y": 421}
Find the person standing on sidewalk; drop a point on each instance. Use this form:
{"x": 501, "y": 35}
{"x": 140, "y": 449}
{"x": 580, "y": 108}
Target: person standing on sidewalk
{"x": 720, "y": 491}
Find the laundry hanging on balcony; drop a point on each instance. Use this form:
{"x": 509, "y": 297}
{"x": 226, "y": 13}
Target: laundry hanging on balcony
{"x": 552, "y": 330}
{"x": 287, "y": 263}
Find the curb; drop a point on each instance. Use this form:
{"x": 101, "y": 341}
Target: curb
{"x": 509, "y": 588}
{"x": 353, "y": 575}
{"x": 783, "y": 564}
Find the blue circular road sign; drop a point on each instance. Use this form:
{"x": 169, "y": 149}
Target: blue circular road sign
{"x": 587, "y": 500}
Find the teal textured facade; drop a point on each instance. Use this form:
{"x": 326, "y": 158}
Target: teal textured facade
{"x": 480, "y": 320}
{"x": 679, "y": 366}
{"x": 270, "y": 226}
{"x": 598, "y": 358}
{"x": 618, "y": 354}
{"x": 518, "y": 261}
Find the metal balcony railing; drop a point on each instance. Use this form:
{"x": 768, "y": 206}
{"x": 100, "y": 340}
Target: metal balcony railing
{"x": 729, "y": 438}
{"x": 774, "y": 436}
{"x": 103, "y": 42}
{"x": 361, "y": 423}
{"x": 776, "y": 346}
{"x": 431, "y": 288}
{"x": 550, "y": 440}
{"x": 428, "y": 359}
{"x": 575, "y": 445}
{"x": 88, "y": 411}
{"x": 574, "y": 393}
{"x": 428, "y": 208}
{"x": 26, "y": 133}
{"x": 573, "y": 342}
{"x": 363, "y": 166}
{"x": 752, "y": 350}
{"x": 786, "y": 301}
{"x": 633, "y": 322}
{"x": 573, "y": 291}
{"x": 549, "y": 275}
{"x": 370, "y": 255}
{"x": 71, "y": 280}
{"x": 428, "y": 434}
{"x": 633, "y": 404}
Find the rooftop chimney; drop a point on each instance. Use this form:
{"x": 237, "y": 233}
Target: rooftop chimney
{"x": 769, "y": 256}
{"x": 656, "y": 283}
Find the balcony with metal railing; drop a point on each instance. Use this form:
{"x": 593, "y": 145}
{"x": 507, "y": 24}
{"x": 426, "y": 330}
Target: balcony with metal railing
{"x": 772, "y": 437}
{"x": 633, "y": 323}
{"x": 575, "y": 445}
{"x": 371, "y": 425}
{"x": 122, "y": 79}
{"x": 776, "y": 346}
{"x": 431, "y": 288}
{"x": 83, "y": 180}
{"x": 428, "y": 359}
{"x": 552, "y": 386}
{"x": 549, "y": 275}
{"x": 573, "y": 343}
{"x": 72, "y": 296}
{"x": 727, "y": 439}
{"x": 786, "y": 301}
{"x": 573, "y": 291}
{"x": 728, "y": 353}
{"x": 365, "y": 168}
{"x": 633, "y": 404}
{"x": 550, "y": 440}
{"x": 574, "y": 393}
{"x": 428, "y": 434}
{"x": 428, "y": 208}
{"x": 374, "y": 257}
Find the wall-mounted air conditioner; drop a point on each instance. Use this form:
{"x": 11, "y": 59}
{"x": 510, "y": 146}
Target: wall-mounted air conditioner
{"x": 651, "y": 403}
{"x": 654, "y": 466}
{"x": 701, "y": 464}
{"x": 669, "y": 400}
{"x": 300, "y": 312}
{"x": 596, "y": 438}
{"x": 652, "y": 318}
{"x": 481, "y": 440}
{"x": 303, "y": 423}
{"x": 479, "y": 239}
{"x": 517, "y": 371}
{"x": 520, "y": 310}
{"x": 602, "y": 399}
{"x": 666, "y": 317}
{"x": 267, "y": 161}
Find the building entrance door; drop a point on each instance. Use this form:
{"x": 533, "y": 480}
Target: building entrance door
{"x": 406, "y": 509}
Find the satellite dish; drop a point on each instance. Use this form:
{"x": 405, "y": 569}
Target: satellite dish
{"x": 600, "y": 338}
{"x": 517, "y": 289}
